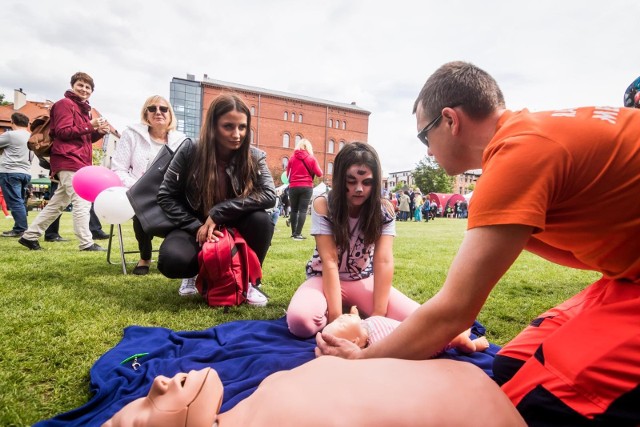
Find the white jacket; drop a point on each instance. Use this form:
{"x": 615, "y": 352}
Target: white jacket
{"x": 133, "y": 152}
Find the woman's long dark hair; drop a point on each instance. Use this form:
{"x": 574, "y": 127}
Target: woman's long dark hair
{"x": 356, "y": 153}
{"x": 204, "y": 174}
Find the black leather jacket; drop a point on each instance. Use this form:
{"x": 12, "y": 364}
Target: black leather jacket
{"x": 179, "y": 202}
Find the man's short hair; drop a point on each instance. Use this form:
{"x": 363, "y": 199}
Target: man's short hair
{"x": 460, "y": 84}
{"x": 20, "y": 119}
{"x": 82, "y": 77}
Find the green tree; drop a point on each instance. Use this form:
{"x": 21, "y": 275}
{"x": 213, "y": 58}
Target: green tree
{"x": 2, "y": 101}
{"x": 430, "y": 177}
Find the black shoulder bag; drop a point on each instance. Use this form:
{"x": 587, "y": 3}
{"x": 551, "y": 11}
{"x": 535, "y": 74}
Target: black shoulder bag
{"x": 143, "y": 196}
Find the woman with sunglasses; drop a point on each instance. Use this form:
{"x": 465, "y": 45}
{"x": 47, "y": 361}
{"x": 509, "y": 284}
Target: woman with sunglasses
{"x": 341, "y": 271}
{"x": 138, "y": 146}
{"x": 219, "y": 181}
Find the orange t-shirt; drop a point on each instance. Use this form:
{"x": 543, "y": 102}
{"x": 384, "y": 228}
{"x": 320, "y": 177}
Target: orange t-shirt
{"x": 574, "y": 175}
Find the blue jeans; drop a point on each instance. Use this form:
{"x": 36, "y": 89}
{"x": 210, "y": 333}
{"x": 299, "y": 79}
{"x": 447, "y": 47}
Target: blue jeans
{"x": 14, "y": 187}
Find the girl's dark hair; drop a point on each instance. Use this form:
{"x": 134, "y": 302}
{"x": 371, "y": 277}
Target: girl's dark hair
{"x": 204, "y": 167}
{"x": 356, "y": 153}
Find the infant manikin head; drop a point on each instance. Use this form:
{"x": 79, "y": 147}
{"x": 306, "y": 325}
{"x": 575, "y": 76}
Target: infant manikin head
{"x": 186, "y": 400}
{"x": 350, "y": 327}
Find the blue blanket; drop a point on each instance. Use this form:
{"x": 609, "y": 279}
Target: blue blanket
{"x": 242, "y": 352}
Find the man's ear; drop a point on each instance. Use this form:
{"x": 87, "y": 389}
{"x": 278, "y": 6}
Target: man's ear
{"x": 451, "y": 119}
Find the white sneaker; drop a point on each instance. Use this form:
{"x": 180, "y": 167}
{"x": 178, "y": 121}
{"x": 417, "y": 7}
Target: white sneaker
{"x": 188, "y": 287}
{"x": 255, "y": 297}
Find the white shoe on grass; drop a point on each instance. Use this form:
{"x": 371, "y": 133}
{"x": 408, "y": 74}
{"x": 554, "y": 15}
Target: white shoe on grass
{"x": 255, "y": 297}
{"x": 188, "y": 287}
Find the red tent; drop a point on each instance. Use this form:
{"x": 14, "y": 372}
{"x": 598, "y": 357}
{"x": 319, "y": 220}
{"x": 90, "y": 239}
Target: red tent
{"x": 443, "y": 200}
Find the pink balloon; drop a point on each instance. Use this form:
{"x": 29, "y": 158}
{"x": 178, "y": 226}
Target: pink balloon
{"x": 90, "y": 181}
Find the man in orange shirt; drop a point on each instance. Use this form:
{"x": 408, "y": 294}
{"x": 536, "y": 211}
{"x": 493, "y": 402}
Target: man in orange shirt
{"x": 549, "y": 182}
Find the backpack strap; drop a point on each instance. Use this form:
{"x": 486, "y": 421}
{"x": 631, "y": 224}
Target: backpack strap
{"x": 252, "y": 271}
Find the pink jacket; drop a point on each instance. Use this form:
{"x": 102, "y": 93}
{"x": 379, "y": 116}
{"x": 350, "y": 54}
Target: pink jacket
{"x": 297, "y": 172}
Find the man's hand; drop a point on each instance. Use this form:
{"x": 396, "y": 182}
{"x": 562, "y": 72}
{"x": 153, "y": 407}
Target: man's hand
{"x": 328, "y": 345}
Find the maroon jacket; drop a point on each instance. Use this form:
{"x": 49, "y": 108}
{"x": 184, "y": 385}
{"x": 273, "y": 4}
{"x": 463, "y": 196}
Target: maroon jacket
{"x": 297, "y": 171}
{"x": 72, "y": 134}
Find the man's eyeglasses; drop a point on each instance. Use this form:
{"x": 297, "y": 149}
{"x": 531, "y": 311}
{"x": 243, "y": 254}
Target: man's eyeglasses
{"x": 422, "y": 135}
{"x": 154, "y": 108}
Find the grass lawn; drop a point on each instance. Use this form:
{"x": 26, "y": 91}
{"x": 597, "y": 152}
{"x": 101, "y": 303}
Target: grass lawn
{"x": 61, "y": 309}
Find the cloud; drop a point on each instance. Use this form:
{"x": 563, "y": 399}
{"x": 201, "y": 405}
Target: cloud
{"x": 544, "y": 54}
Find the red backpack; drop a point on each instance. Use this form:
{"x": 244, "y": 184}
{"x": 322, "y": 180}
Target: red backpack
{"x": 227, "y": 267}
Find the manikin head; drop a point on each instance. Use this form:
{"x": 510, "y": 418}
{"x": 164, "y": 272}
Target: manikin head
{"x": 185, "y": 400}
{"x": 350, "y": 327}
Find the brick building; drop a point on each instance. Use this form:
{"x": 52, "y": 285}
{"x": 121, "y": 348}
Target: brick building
{"x": 278, "y": 120}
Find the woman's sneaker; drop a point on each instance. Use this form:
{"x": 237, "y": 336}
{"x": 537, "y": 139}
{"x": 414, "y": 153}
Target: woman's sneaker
{"x": 188, "y": 287}
{"x": 256, "y": 297}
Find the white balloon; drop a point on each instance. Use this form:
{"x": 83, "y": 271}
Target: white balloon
{"x": 112, "y": 205}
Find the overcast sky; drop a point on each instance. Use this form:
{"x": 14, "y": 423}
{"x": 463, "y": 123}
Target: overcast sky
{"x": 544, "y": 54}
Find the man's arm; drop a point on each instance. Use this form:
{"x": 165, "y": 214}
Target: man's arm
{"x": 555, "y": 255}
{"x": 5, "y": 139}
{"x": 485, "y": 255}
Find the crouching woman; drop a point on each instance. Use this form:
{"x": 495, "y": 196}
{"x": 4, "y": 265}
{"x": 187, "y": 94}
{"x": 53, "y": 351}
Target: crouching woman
{"x": 219, "y": 181}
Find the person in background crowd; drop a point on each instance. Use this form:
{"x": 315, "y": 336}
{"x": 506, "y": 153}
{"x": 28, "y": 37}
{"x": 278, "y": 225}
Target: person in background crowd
{"x": 73, "y": 131}
{"x": 139, "y": 145}
{"x": 222, "y": 181}
{"x": 417, "y": 201}
{"x": 6, "y": 213}
{"x": 394, "y": 203}
{"x": 15, "y": 172}
{"x": 301, "y": 170}
{"x": 540, "y": 172}
{"x": 404, "y": 205}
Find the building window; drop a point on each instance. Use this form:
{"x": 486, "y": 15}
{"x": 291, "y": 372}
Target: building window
{"x": 253, "y": 110}
{"x": 330, "y": 123}
{"x": 298, "y": 138}
{"x": 286, "y": 115}
{"x": 251, "y": 135}
{"x": 285, "y": 162}
{"x": 344, "y": 125}
{"x": 285, "y": 140}
{"x": 293, "y": 117}
{"x": 186, "y": 98}
{"x": 337, "y": 124}
{"x": 300, "y": 118}
{"x": 330, "y": 168}
{"x": 331, "y": 146}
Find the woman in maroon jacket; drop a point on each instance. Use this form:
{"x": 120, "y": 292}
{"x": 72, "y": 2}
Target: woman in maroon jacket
{"x": 73, "y": 131}
{"x": 301, "y": 170}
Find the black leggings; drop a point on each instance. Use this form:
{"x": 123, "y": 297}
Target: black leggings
{"x": 299, "y": 198}
{"x": 178, "y": 256}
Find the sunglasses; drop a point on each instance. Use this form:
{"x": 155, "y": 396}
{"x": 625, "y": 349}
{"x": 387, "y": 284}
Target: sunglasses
{"x": 154, "y": 108}
{"x": 422, "y": 135}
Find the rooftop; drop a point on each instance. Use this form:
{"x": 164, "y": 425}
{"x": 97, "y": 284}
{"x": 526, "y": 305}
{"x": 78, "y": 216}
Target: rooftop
{"x": 219, "y": 83}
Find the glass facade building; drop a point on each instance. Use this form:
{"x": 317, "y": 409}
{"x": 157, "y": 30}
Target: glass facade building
{"x": 186, "y": 99}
